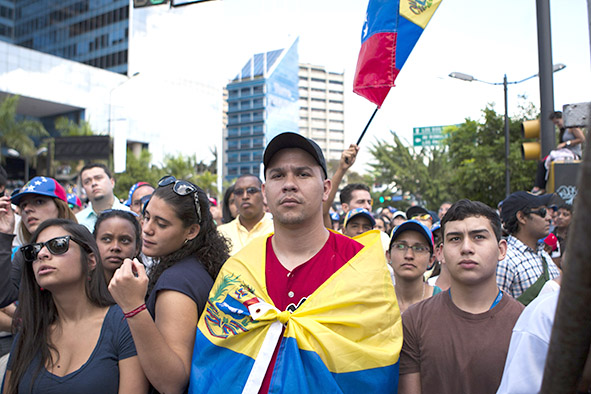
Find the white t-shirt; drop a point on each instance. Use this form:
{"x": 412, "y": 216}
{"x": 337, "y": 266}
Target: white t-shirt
{"x": 524, "y": 368}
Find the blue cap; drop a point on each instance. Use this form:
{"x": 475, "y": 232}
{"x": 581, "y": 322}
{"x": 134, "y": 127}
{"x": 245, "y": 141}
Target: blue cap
{"x": 132, "y": 190}
{"x": 74, "y": 200}
{"x": 335, "y": 217}
{"x": 359, "y": 211}
{"x": 413, "y": 225}
{"x": 42, "y": 185}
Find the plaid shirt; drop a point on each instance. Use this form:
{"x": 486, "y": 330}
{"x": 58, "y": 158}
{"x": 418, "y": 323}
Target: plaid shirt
{"x": 522, "y": 266}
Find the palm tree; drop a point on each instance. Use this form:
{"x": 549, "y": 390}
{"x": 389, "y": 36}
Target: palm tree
{"x": 15, "y": 133}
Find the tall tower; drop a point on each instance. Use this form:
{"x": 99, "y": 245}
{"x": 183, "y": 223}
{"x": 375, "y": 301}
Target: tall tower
{"x": 322, "y": 108}
{"x": 262, "y": 102}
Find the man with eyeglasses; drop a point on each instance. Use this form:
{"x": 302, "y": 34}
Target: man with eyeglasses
{"x": 252, "y": 221}
{"x": 527, "y": 266}
{"x": 457, "y": 341}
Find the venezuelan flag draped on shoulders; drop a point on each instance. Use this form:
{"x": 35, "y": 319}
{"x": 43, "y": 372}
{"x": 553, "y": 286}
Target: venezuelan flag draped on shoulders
{"x": 346, "y": 337}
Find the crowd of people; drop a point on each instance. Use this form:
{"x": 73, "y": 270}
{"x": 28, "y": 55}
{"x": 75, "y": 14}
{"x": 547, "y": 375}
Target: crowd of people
{"x": 275, "y": 287}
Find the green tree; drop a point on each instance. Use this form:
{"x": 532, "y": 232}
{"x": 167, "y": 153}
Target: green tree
{"x": 477, "y": 156}
{"x": 181, "y": 167}
{"x": 424, "y": 173}
{"x": 68, "y": 127}
{"x": 137, "y": 169}
{"x": 208, "y": 182}
{"x": 15, "y": 133}
{"x": 200, "y": 173}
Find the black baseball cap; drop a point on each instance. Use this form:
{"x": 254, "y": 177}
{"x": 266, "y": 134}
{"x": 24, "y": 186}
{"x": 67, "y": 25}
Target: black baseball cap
{"x": 520, "y": 201}
{"x": 416, "y": 210}
{"x": 294, "y": 140}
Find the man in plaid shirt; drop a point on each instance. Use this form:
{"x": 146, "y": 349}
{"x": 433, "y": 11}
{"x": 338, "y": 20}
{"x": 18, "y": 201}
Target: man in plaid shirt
{"x": 527, "y": 220}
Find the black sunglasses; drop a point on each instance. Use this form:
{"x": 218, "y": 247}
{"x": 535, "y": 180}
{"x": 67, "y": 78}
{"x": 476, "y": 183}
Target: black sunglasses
{"x": 540, "y": 212}
{"x": 56, "y": 246}
{"x": 182, "y": 188}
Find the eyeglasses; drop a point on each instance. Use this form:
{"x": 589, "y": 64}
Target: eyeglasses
{"x": 425, "y": 216}
{"x": 182, "y": 188}
{"x": 56, "y": 246}
{"x": 540, "y": 212}
{"x": 415, "y": 248}
{"x": 249, "y": 190}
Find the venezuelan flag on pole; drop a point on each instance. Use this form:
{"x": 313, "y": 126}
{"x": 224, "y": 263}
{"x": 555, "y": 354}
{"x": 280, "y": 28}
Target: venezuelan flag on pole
{"x": 390, "y": 32}
{"x": 345, "y": 338}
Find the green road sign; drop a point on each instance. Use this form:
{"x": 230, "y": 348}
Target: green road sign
{"x": 427, "y": 136}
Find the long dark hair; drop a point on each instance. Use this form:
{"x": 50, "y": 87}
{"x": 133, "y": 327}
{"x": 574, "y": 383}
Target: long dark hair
{"x": 209, "y": 247}
{"x": 37, "y": 311}
{"x": 227, "y": 216}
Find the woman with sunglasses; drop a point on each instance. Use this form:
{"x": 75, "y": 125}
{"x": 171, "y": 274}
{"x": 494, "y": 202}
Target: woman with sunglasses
{"x": 71, "y": 337}
{"x": 119, "y": 237}
{"x": 40, "y": 199}
{"x": 179, "y": 233}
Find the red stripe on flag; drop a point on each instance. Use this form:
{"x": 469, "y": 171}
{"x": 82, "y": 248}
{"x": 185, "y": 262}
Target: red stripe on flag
{"x": 376, "y": 71}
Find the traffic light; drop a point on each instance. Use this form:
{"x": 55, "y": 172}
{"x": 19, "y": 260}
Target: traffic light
{"x": 531, "y": 150}
{"x": 381, "y": 199}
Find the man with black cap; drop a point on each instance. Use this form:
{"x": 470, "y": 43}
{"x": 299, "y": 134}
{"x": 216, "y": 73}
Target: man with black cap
{"x": 311, "y": 296}
{"x": 527, "y": 266}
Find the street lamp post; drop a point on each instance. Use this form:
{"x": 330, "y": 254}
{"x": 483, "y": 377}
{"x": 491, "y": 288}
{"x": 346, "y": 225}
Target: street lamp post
{"x": 470, "y": 78}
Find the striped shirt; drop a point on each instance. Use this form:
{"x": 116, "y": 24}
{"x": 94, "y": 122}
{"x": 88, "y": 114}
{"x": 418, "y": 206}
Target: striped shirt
{"x": 522, "y": 266}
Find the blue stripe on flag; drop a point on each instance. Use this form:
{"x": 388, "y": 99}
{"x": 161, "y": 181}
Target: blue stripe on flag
{"x": 228, "y": 377}
{"x": 301, "y": 371}
{"x": 408, "y": 35}
{"x": 381, "y": 17}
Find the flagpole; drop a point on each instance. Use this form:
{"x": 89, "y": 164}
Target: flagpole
{"x": 367, "y": 126}
{"x": 364, "y": 130}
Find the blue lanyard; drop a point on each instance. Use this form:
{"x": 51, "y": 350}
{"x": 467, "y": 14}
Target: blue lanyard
{"x": 495, "y": 302}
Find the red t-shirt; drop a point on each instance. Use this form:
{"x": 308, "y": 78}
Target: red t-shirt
{"x": 289, "y": 289}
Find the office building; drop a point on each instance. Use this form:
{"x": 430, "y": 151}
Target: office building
{"x": 274, "y": 93}
{"x": 262, "y": 102}
{"x": 322, "y": 108}
{"x": 90, "y": 32}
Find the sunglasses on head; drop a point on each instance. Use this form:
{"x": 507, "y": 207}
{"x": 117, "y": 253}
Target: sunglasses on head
{"x": 182, "y": 188}
{"x": 540, "y": 212}
{"x": 56, "y": 246}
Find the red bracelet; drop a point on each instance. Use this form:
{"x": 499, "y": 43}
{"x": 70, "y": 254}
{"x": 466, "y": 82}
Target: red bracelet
{"x": 135, "y": 311}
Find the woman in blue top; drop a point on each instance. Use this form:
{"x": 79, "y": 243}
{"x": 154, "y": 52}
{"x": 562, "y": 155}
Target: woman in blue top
{"x": 70, "y": 338}
{"x": 179, "y": 233}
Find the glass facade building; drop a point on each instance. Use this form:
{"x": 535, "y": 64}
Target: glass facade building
{"x": 90, "y": 32}
{"x": 262, "y": 102}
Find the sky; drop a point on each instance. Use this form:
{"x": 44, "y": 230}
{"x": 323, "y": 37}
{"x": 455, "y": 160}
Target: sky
{"x": 486, "y": 39}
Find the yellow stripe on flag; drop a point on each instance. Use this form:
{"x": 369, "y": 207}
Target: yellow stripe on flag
{"x": 418, "y": 12}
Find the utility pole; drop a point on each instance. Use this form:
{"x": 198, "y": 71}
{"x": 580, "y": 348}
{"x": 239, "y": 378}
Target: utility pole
{"x": 547, "y": 133}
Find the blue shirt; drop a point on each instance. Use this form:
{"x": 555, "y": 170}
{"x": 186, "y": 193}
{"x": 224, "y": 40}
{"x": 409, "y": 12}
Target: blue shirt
{"x": 99, "y": 375}
{"x": 88, "y": 216}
